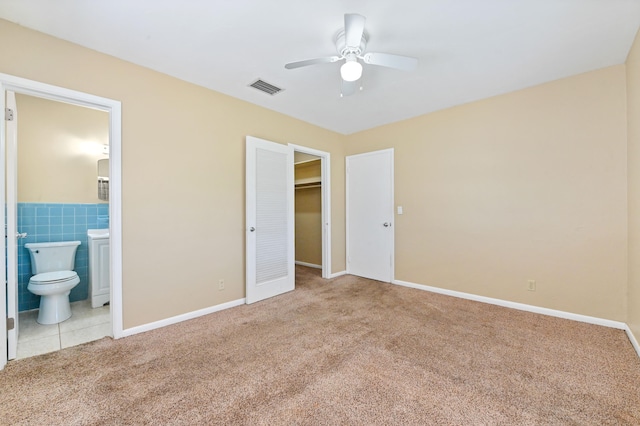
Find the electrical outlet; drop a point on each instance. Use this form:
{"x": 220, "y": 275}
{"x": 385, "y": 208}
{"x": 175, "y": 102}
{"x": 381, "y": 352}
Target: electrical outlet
{"x": 221, "y": 285}
{"x": 532, "y": 285}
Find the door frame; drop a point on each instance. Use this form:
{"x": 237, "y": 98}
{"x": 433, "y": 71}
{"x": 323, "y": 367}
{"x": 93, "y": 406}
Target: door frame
{"x": 392, "y": 212}
{"x": 325, "y": 194}
{"x": 114, "y": 109}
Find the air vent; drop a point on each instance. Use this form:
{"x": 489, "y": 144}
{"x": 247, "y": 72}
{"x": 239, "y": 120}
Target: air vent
{"x": 265, "y": 87}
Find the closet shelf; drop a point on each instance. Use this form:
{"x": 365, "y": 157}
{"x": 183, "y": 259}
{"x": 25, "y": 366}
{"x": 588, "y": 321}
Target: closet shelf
{"x": 309, "y": 185}
{"x": 312, "y": 182}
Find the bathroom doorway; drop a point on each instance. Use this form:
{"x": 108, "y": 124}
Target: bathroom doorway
{"x": 61, "y": 196}
{"x": 59, "y": 218}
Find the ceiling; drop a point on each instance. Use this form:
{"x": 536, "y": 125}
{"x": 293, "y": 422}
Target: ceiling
{"x": 467, "y": 49}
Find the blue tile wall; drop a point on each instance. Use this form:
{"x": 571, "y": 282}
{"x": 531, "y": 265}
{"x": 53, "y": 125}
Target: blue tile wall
{"x": 52, "y": 222}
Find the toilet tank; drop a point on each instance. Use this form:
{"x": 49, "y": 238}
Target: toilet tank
{"x": 51, "y": 257}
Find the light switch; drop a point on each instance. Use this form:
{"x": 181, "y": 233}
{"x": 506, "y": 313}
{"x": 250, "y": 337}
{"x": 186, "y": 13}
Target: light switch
{"x": 399, "y": 209}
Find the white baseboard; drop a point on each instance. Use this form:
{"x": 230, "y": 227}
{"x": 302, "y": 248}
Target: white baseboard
{"x": 310, "y": 265}
{"x": 520, "y": 306}
{"x": 179, "y": 318}
{"x": 505, "y": 303}
{"x": 632, "y": 339}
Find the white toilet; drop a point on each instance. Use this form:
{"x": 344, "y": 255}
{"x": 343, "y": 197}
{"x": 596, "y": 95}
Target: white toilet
{"x": 53, "y": 278}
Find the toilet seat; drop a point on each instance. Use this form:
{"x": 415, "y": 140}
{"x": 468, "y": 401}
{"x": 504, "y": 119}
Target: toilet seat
{"x": 53, "y": 277}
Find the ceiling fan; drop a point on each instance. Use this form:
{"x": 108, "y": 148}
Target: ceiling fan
{"x": 351, "y": 44}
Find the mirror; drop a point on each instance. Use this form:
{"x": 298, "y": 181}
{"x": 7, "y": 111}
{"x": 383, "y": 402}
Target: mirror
{"x": 103, "y": 179}
{"x": 103, "y": 168}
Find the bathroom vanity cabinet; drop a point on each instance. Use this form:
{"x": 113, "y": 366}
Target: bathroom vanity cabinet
{"x": 99, "y": 277}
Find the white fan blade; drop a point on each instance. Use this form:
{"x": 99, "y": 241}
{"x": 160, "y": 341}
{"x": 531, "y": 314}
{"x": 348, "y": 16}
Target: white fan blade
{"x": 308, "y": 62}
{"x": 350, "y": 87}
{"x": 353, "y": 29}
{"x": 405, "y": 63}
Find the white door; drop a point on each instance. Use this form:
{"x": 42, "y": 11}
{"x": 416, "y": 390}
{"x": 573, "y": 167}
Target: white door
{"x": 11, "y": 163}
{"x": 269, "y": 219}
{"x": 370, "y": 215}
{"x": 3, "y": 271}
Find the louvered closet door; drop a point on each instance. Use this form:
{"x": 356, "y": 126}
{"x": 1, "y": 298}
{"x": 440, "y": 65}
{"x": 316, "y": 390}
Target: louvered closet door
{"x": 269, "y": 219}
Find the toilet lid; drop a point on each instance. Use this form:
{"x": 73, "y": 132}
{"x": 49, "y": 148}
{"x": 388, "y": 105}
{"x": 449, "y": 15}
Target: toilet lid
{"x": 53, "y": 277}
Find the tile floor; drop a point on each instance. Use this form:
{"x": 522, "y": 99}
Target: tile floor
{"x": 85, "y": 325}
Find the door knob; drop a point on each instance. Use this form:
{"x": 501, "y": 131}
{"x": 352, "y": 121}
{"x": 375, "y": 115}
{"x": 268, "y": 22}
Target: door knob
{"x": 386, "y": 224}
{"x": 252, "y": 229}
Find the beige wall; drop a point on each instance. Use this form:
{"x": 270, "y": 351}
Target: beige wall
{"x": 182, "y": 172}
{"x": 59, "y": 146}
{"x": 308, "y": 215}
{"x": 633, "y": 161}
{"x": 527, "y": 185}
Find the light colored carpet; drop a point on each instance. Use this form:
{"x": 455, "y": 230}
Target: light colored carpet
{"x": 343, "y": 351}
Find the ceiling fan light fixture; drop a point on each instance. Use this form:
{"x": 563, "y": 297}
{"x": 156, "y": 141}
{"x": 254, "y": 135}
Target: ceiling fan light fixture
{"x": 351, "y": 70}
{"x": 351, "y": 45}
